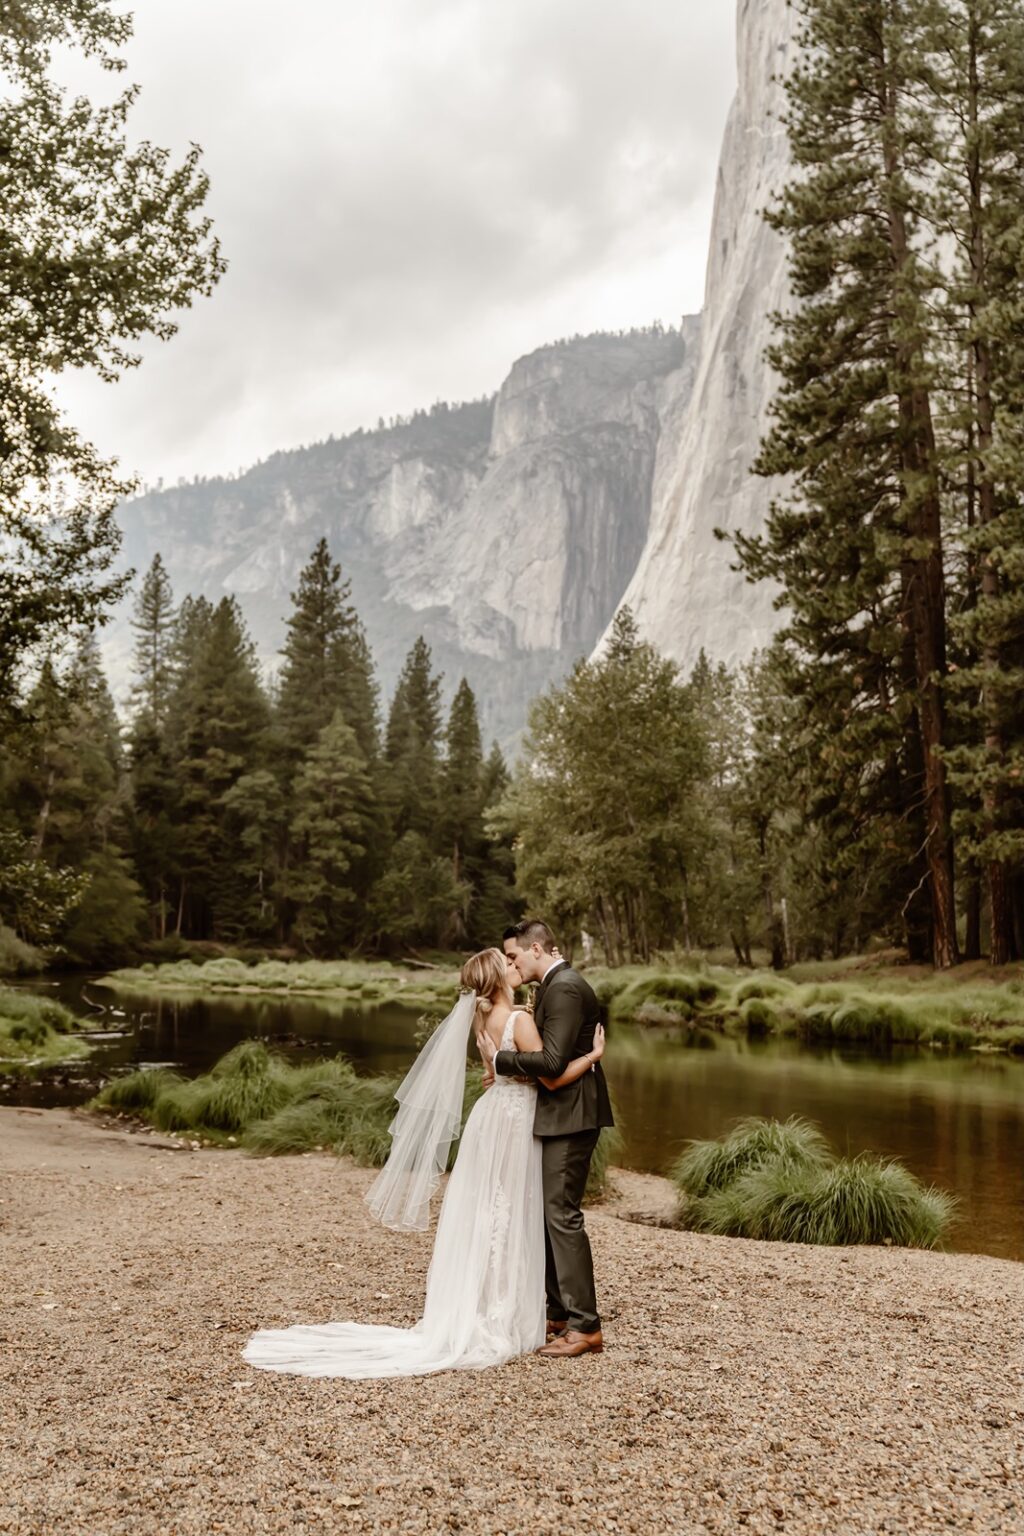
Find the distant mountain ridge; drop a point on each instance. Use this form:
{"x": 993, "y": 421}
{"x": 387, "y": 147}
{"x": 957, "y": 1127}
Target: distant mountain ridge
{"x": 504, "y": 530}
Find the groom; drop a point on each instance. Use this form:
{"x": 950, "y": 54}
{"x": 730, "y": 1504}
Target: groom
{"x": 568, "y": 1123}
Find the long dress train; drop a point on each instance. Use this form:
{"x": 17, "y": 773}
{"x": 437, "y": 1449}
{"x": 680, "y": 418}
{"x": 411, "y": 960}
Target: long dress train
{"x": 485, "y": 1285}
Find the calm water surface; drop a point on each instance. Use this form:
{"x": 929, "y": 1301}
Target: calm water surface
{"x": 956, "y": 1121}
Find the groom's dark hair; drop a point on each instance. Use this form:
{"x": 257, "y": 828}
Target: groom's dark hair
{"x": 531, "y": 931}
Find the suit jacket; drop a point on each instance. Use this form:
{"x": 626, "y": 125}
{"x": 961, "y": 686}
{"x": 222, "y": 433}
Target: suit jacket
{"x": 566, "y": 1013}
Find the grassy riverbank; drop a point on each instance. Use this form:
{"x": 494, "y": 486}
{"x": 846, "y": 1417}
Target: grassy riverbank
{"x": 255, "y": 1099}
{"x": 356, "y": 982}
{"x": 968, "y": 1009}
{"x": 36, "y": 1031}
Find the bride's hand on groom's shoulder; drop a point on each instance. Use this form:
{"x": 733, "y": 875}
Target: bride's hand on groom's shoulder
{"x": 485, "y": 1045}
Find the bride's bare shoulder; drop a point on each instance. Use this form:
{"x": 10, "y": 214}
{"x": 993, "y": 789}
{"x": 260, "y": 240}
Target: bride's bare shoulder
{"x": 525, "y": 1031}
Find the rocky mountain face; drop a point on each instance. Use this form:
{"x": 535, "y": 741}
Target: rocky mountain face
{"x": 504, "y": 531}
{"x": 508, "y": 531}
{"x": 683, "y": 593}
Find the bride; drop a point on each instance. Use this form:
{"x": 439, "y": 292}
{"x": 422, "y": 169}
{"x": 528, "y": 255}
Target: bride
{"x": 485, "y": 1285}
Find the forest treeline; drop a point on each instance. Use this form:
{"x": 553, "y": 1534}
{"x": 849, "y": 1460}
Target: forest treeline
{"x": 648, "y": 811}
{"x": 246, "y": 814}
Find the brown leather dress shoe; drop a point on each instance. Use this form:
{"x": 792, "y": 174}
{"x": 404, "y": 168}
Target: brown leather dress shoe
{"x": 555, "y": 1328}
{"x": 571, "y": 1343}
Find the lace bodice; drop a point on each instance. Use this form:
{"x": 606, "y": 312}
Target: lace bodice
{"x": 508, "y": 1043}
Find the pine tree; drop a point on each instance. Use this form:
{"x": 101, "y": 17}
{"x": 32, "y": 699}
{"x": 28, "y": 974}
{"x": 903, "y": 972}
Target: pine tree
{"x": 153, "y": 836}
{"x": 976, "y": 85}
{"x": 153, "y": 623}
{"x": 327, "y": 665}
{"x": 255, "y": 818}
{"x": 460, "y": 824}
{"x": 333, "y": 822}
{"x": 220, "y": 714}
{"x": 495, "y": 902}
{"x": 71, "y": 790}
{"x": 412, "y": 749}
{"x": 857, "y": 547}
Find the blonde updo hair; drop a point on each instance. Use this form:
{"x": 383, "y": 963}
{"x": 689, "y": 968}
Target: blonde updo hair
{"x": 486, "y": 974}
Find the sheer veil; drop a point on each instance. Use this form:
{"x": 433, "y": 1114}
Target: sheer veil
{"x": 429, "y": 1119}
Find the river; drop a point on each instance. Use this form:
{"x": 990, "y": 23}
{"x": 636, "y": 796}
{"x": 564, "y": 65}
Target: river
{"x": 956, "y": 1120}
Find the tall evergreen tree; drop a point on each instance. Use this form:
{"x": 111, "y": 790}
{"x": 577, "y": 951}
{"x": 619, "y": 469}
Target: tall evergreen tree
{"x": 460, "y": 821}
{"x": 327, "y": 665}
{"x": 71, "y": 792}
{"x": 976, "y": 86}
{"x": 857, "y": 547}
{"x": 333, "y": 821}
{"x": 153, "y": 623}
{"x": 222, "y": 715}
{"x": 412, "y": 748}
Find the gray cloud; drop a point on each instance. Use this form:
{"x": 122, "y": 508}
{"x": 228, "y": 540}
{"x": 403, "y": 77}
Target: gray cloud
{"x": 411, "y": 194}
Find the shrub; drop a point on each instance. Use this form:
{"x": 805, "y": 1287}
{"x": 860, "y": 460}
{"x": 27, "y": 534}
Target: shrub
{"x": 16, "y": 957}
{"x": 759, "y": 1016}
{"x": 781, "y": 1183}
{"x": 654, "y": 1014}
{"x": 860, "y": 1200}
{"x": 752, "y": 1143}
{"x": 769, "y": 987}
{"x": 36, "y": 1029}
{"x": 679, "y": 987}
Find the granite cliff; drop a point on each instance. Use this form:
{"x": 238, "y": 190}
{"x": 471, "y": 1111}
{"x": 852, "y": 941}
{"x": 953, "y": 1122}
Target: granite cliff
{"x": 683, "y": 592}
{"x": 435, "y": 520}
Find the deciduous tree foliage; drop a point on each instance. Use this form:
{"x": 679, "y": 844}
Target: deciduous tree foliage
{"x": 102, "y": 242}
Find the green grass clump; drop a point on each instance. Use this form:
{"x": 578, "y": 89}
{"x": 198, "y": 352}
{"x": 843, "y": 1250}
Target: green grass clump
{"x": 766, "y": 986}
{"x": 680, "y": 988}
{"x": 271, "y": 1108}
{"x": 782, "y": 1183}
{"x": 663, "y": 1015}
{"x": 760, "y": 1016}
{"x": 859, "y": 1200}
{"x": 136, "y": 1091}
{"x": 712, "y": 1165}
{"x": 36, "y": 1031}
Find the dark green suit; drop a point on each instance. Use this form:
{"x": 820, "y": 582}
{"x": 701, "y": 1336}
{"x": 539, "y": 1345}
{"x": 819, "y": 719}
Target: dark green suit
{"x": 569, "y": 1123}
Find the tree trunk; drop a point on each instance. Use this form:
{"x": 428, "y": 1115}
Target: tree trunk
{"x": 991, "y": 655}
{"x": 923, "y": 586}
{"x": 972, "y": 913}
{"x": 685, "y": 904}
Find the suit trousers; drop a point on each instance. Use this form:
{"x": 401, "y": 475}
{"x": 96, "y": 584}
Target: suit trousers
{"x": 569, "y": 1273}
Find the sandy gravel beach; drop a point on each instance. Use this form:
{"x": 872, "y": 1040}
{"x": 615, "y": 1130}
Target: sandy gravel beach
{"x": 744, "y": 1386}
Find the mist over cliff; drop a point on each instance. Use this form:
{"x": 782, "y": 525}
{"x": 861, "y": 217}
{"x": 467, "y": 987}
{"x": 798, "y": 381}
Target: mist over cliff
{"x": 504, "y": 531}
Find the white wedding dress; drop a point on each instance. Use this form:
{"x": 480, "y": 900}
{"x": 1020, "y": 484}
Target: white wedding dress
{"x": 485, "y": 1285}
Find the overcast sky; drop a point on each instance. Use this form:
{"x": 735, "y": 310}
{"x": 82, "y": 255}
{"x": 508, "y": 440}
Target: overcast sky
{"x": 411, "y": 194}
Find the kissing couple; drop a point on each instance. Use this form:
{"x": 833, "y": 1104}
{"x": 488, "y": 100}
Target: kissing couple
{"x": 511, "y": 1228}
